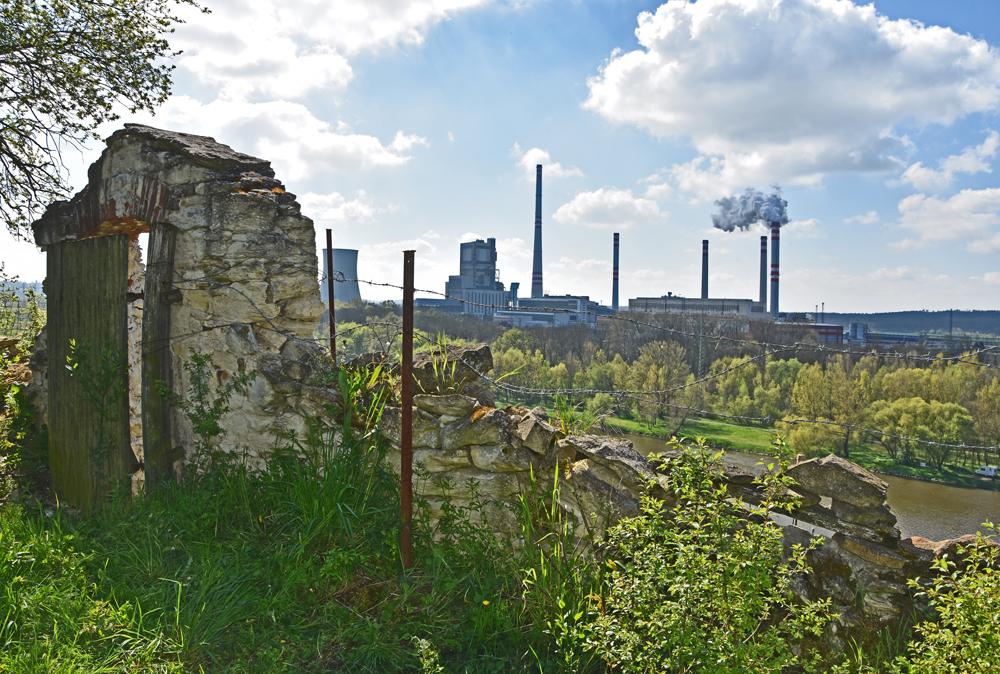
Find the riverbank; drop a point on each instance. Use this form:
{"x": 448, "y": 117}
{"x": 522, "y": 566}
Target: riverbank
{"x": 758, "y": 440}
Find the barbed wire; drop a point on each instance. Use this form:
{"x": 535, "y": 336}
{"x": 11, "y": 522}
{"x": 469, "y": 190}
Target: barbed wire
{"x": 966, "y": 357}
{"x": 497, "y": 383}
{"x": 932, "y": 358}
{"x": 760, "y": 420}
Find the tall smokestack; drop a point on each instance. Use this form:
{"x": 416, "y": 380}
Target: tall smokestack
{"x": 614, "y": 277}
{"x": 536, "y": 265}
{"x": 763, "y": 272}
{"x": 775, "y": 235}
{"x": 704, "y": 269}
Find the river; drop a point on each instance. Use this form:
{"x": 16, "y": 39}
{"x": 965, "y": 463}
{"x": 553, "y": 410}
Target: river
{"x": 927, "y": 509}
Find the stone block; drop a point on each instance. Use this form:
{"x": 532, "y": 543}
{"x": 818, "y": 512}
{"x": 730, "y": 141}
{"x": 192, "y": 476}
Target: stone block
{"x": 874, "y": 554}
{"x": 839, "y": 478}
{"x": 878, "y": 517}
{"x": 632, "y": 469}
{"x": 449, "y": 405}
{"x": 827, "y": 518}
{"x": 485, "y": 429}
{"x": 426, "y": 433}
{"x": 595, "y": 495}
{"x": 500, "y": 459}
{"x": 536, "y": 434}
{"x": 453, "y": 366}
{"x": 439, "y": 461}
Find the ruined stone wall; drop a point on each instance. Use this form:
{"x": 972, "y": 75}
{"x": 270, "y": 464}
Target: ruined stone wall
{"x": 241, "y": 282}
{"x": 862, "y": 565}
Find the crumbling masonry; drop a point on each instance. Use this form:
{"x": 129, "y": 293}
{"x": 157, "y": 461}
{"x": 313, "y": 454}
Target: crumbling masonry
{"x": 231, "y": 272}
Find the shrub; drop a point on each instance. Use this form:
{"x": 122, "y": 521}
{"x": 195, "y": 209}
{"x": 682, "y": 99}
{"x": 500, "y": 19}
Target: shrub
{"x": 703, "y": 586}
{"x": 964, "y": 635}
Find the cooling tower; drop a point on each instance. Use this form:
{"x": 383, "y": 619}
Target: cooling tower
{"x": 614, "y": 277}
{"x": 536, "y": 264}
{"x": 345, "y": 276}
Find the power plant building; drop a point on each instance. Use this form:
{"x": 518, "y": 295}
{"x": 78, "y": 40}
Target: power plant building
{"x": 550, "y": 311}
{"x": 711, "y": 306}
{"x": 476, "y": 288}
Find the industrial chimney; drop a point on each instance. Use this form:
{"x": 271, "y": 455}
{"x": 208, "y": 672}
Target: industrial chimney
{"x": 775, "y": 235}
{"x": 536, "y": 265}
{"x": 763, "y": 272}
{"x": 614, "y": 277}
{"x": 704, "y": 269}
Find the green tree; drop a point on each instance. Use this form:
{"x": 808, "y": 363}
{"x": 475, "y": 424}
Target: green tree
{"x": 909, "y": 425}
{"x": 987, "y": 414}
{"x": 774, "y": 389}
{"x": 733, "y": 381}
{"x": 66, "y": 67}
{"x": 660, "y": 367}
{"x": 810, "y": 394}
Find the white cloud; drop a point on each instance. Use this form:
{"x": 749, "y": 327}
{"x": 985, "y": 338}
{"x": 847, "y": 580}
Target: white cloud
{"x": 971, "y": 160}
{"x": 971, "y": 215}
{"x": 287, "y": 50}
{"x": 298, "y": 143}
{"x": 866, "y": 218}
{"x": 992, "y": 277}
{"x": 528, "y": 159}
{"x": 404, "y": 142}
{"x": 899, "y": 273}
{"x": 608, "y": 208}
{"x": 790, "y": 90}
{"x": 807, "y": 228}
{"x": 657, "y": 187}
{"x": 335, "y": 208}
{"x": 383, "y": 262}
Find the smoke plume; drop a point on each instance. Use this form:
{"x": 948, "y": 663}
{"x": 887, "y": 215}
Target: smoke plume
{"x": 742, "y": 211}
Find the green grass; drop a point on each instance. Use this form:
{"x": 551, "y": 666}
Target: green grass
{"x": 292, "y": 570}
{"x": 878, "y": 461}
{"x": 718, "y": 434}
{"x": 758, "y": 440}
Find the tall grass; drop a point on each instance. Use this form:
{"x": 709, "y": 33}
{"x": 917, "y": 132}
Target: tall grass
{"x": 290, "y": 569}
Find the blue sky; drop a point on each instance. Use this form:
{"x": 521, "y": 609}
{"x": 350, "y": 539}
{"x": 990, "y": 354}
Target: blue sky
{"x": 415, "y": 126}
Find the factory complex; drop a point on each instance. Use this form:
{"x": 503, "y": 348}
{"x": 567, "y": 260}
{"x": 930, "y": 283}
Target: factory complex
{"x": 476, "y": 290}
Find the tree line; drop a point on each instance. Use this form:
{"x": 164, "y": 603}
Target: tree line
{"x": 910, "y": 404}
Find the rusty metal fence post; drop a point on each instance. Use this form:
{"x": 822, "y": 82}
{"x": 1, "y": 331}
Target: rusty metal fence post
{"x": 329, "y": 296}
{"x": 406, "y": 417}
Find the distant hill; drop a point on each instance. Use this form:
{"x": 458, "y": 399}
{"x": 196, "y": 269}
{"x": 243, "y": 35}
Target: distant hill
{"x": 979, "y": 322}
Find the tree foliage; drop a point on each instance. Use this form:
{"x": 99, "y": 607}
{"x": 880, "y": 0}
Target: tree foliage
{"x": 66, "y": 67}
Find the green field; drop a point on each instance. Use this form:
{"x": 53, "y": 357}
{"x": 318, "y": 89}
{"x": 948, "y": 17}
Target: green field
{"x": 757, "y": 440}
{"x": 752, "y": 439}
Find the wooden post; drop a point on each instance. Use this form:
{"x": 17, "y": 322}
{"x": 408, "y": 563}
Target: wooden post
{"x": 406, "y": 417}
{"x": 329, "y": 296}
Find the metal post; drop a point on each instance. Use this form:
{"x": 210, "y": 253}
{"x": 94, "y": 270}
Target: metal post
{"x": 329, "y": 295}
{"x": 406, "y": 420}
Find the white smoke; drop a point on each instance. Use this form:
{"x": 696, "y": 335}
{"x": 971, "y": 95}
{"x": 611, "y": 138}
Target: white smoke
{"x": 742, "y": 211}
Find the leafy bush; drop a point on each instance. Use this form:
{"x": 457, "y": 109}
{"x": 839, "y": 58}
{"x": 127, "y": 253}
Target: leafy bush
{"x": 964, "y": 635}
{"x": 701, "y": 586}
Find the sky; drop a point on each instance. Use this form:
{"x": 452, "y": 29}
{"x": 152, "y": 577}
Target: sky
{"x": 417, "y": 125}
